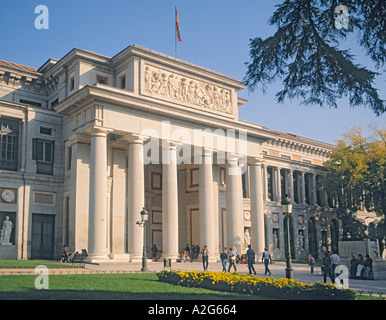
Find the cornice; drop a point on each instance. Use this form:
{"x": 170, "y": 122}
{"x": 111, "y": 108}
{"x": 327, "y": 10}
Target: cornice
{"x": 101, "y": 94}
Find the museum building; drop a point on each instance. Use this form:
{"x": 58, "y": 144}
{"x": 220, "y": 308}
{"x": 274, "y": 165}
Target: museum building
{"x": 88, "y": 141}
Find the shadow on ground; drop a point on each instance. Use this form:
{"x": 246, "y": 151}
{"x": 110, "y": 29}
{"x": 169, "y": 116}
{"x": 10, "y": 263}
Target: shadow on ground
{"x": 34, "y": 294}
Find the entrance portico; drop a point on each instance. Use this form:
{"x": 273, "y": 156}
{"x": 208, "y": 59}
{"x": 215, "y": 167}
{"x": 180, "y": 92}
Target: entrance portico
{"x": 171, "y": 142}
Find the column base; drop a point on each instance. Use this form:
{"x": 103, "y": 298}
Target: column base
{"x": 173, "y": 256}
{"x": 135, "y": 257}
{"x": 97, "y": 258}
{"x": 120, "y": 257}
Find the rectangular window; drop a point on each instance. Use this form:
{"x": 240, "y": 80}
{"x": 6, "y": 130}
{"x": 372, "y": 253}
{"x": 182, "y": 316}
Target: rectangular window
{"x": 72, "y": 83}
{"x": 45, "y": 130}
{"x": 123, "y": 82}
{"x": 101, "y": 80}
{"x": 54, "y": 103}
{"x": 43, "y": 153}
{"x": 9, "y": 144}
{"x": 31, "y": 103}
{"x": 69, "y": 156}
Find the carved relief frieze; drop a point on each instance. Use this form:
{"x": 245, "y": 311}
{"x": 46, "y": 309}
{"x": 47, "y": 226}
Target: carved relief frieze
{"x": 170, "y": 85}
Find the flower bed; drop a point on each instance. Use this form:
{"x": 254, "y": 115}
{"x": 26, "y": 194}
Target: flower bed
{"x": 248, "y": 284}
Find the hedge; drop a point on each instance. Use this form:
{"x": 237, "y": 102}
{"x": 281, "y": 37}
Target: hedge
{"x": 266, "y": 287}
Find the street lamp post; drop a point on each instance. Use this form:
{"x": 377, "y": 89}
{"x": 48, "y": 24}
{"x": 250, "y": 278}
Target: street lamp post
{"x": 142, "y": 223}
{"x": 286, "y": 205}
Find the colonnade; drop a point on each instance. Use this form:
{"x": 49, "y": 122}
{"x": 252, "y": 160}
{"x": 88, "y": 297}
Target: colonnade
{"x": 97, "y": 239}
{"x": 296, "y": 191}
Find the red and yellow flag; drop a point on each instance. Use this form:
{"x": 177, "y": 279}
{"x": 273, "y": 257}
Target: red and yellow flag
{"x": 178, "y": 28}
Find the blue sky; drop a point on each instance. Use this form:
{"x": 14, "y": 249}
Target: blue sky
{"x": 215, "y": 35}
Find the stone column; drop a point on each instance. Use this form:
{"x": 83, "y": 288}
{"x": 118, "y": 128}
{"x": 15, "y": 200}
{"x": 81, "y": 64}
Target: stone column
{"x": 266, "y": 198}
{"x": 278, "y": 185}
{"x": 169, "y": 200}
{"x": 135, "y": 195}
{"x": 97, "y": 230}
{"x": 314, "y": 191}
{"x": 23, "y": 154}
{"x": 303, "y": 198}
{"x": 291, "y": 185}
{"x": 257, "y": 208}
{"x": 206, "y": 205}
{"x": 234, "y": 204}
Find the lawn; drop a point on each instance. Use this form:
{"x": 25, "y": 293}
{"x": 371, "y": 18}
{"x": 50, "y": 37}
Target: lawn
{"x": 32, "y": 264}
{"x": 139, "y": 286}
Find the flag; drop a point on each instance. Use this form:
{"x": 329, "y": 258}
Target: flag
{"x": 178, "y": 28}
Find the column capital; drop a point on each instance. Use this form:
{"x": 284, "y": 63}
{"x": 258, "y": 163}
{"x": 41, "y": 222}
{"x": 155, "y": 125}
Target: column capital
{"x": 135, "y": 138}
{"x": 170, "y": 144}
{"x": 78, "y": 137}
{"x": 98, "y": 131}
{"x": 232, "y": 157}
{"x": 255, "y": 161}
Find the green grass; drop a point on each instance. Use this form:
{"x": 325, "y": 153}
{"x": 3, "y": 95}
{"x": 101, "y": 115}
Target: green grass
{"x": 139, "y": 286}
{"x": 366, "y": 297}
{"x": 32, "y": 264}
{"x": 131, "y": 286}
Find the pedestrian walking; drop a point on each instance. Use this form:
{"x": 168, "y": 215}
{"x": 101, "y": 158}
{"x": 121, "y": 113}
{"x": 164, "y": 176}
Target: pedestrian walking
{"x": 311, "y": 262}
{"x": 205, "y": 259}
{"x": 251, "y": 260}
{"x": 266, "y": 258}
{"x": 326, "y": 268}
{"x": 335, "y": 261}
{"x": 223, "y": 257}
{"x": 232, "y": 258}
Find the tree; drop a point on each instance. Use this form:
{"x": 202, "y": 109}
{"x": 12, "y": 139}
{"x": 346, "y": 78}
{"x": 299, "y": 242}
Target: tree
{"x": 304, "y": 53}
{"x": 355, "y": 176}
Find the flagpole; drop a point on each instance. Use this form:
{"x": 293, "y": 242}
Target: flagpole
{"x": 175, "y": 30}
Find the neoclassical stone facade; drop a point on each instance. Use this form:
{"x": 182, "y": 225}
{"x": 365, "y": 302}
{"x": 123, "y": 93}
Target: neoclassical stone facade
{"x": 87, "y": 141}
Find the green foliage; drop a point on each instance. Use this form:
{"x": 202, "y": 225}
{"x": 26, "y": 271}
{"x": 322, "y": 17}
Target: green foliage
{"x": 304, "y": 52}
{"x": 355, "y": 174}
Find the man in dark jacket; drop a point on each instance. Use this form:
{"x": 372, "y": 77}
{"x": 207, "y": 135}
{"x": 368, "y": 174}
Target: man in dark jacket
{"x": 251, "y": 260}
{"x": 223, "y": 257}
{"x": 368, "y": 265}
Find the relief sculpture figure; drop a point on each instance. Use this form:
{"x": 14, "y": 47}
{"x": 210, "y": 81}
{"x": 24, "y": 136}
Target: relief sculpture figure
{"x": 188, "y": 90}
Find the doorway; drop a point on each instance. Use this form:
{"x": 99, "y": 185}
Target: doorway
{"x": 42, "y": 236}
